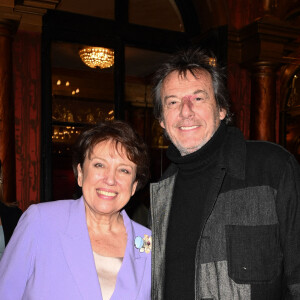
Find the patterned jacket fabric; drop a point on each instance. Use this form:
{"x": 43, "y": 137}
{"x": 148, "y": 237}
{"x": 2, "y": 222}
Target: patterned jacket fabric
{"x": 250, "y": 246}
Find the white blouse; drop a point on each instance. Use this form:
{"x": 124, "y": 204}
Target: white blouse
{"x": 107, "y": 270}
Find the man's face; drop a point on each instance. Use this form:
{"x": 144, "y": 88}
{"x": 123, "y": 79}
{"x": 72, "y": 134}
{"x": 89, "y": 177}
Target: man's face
{"x": 190, "y": 112}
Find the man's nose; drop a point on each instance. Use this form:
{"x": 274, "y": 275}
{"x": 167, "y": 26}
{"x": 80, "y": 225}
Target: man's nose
{"x": 187, "y": 108}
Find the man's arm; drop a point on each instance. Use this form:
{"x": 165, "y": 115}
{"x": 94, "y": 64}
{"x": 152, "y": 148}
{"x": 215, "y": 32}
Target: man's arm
{"x": 288, "y": 209}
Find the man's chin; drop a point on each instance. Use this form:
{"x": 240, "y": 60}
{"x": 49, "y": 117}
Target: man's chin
{"x": 188, "y": 149}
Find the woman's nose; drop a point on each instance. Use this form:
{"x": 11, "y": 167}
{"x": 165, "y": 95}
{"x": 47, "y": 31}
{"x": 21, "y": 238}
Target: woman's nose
{"x": 110, "y": 177}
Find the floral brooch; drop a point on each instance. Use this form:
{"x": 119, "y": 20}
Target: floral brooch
{"x": 143, "y": 244}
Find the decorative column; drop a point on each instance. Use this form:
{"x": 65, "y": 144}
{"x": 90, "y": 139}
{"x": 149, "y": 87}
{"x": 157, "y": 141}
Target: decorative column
{"x": 263, "y": 102}
{"x": 7, "y": 120}
{"x": 261, "y": 47}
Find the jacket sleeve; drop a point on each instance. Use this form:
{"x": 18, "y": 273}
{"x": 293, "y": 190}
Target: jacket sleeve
{"x": 17, "y": 262}
{"x": 288, "y": 209}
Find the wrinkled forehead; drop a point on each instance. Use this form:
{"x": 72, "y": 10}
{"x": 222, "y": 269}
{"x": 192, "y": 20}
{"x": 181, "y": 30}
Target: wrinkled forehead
{"x": 188, "y": 81}
{"x": 176, "y": 78}
{"x": 188, "y": 75}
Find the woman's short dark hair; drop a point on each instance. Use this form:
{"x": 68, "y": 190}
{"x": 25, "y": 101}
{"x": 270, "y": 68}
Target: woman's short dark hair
{"x": 192, "y": 60}
{"x": 122, "y": 134}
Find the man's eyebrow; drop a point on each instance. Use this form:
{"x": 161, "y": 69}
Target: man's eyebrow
{"x": 194, "y": 93}
{"x": 201, "y": 92}
{"x": 170, "y": 96}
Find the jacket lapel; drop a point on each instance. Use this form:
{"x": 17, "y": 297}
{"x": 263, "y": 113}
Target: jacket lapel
{"x": 130, "y": 276}
{"x": 78, "y": 252}
{"x": 161, "y": 199}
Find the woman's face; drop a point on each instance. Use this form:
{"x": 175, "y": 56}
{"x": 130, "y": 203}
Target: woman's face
{"x": 107, "y": 178}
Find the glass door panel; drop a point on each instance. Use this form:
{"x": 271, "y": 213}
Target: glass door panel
{"x": 81, "y": 96}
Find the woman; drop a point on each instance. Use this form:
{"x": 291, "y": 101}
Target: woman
{"x": 86, "y": 248}
{"x": 10, "y": 214}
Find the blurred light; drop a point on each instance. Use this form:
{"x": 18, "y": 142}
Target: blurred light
{"x": 97, "y": 57}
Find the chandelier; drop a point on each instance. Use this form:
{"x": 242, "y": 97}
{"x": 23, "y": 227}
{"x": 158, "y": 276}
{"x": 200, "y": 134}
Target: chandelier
{"x": 97, "y": 57}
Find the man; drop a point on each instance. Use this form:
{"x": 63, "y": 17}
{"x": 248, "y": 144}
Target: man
{"x": 226, "y": 213}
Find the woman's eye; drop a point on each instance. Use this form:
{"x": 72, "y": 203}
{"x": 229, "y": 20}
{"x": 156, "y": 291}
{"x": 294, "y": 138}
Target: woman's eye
{"x": 99, "y": 165}
{"x": 198, "y": 99}
{"x": 125, "y": 171}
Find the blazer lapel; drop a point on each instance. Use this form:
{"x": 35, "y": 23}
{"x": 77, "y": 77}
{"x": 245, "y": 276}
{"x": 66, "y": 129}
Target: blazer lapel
{"x": 161, "y": 200}
{"x": 78, "y": 252}
{"x": 131, "y": 274}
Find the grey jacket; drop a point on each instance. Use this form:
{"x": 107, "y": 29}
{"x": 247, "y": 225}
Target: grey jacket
{"x": 250, "y": 245}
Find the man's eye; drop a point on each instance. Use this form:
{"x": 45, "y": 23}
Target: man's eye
{"x": 99, "y": 165}
{"x": 198, "y": 99}
{"x": 173, "y": 103}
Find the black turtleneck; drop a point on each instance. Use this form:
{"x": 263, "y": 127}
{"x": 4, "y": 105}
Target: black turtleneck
{"x": 189, "y": 210}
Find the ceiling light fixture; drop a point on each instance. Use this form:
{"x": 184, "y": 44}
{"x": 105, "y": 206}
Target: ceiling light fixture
{"x": 97, "y": 57}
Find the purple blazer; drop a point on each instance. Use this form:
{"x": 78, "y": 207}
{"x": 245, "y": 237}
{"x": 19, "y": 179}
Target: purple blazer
{"x": 50, "y": 257}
